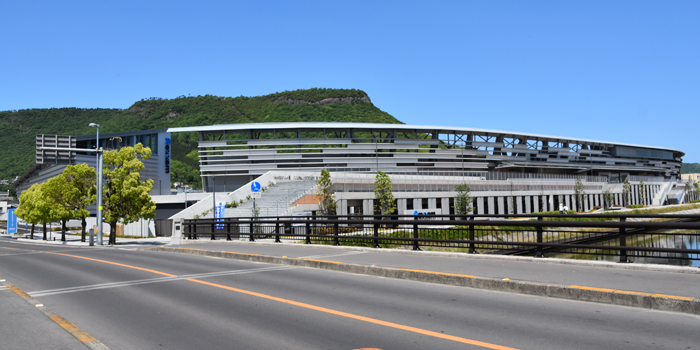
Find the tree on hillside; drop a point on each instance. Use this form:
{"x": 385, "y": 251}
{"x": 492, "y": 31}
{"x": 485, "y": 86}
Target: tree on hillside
{"x": 326, "y": 199}
{"x": 463, "y": 200}
{"x": 125, "y": 196}
{"x": 383, "y": 194}
{"x": 626, "y": 192}
{"x": 81, "y": 192}
{"x": 578, "y": 194}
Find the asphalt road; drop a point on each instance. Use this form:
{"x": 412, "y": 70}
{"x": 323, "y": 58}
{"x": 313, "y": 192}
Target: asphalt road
{"x": 131, "y": 299}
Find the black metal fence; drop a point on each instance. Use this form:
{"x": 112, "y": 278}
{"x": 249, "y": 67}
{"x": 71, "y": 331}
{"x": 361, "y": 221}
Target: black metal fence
{"x": 626, "y": 236}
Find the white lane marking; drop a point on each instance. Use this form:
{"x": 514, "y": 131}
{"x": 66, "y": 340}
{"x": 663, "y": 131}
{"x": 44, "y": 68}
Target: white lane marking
{"x": 330, "y": 255}
{"x": 151, "y": 280}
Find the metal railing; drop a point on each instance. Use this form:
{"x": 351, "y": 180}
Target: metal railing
{"x": 624, "y": 236}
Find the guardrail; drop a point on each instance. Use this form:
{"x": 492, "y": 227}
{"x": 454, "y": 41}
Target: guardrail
{"x": 626, "y": 236}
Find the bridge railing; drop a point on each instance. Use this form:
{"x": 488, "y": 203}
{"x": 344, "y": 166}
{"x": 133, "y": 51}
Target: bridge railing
{"x": 670, "y": 237}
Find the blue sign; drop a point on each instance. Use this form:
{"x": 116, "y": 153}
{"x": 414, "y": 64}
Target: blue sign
{"x": 167, "y": 155}
{"x": 255, "y": 186}
{"x": 11, "y": 221}
{"x": 219, "y": 214}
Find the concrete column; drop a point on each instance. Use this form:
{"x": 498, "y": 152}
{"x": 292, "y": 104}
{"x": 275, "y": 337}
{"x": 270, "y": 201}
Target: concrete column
{"x": 567, "y": 201}
{"x": 401, "y": 206}
{"x": 573, "y": 203}
{"x": 343, "y": 207}
{"x": 417, "y": 204}
{"x": 519, "y": 205}
{"x": 432, "y": 203}
{"x": 367, "y": 207}
{"x": 445, "y": 204}
{"x": 528, "y": 208}
{"x": 536, "y": 204}
{"x": 550, "y": 205}
{"x": 480, "y": 205}
{"x": 501, "y": 206}
{"x": 491, "y": 205}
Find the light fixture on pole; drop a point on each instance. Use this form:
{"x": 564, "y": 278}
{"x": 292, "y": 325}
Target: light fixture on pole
{"x": 98, "y": 166}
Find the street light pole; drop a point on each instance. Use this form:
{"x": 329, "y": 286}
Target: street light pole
{"x": 98, "y": 164}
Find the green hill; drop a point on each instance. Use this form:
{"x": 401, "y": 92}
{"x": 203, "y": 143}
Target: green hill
{"x": 690, "y": 168}
{"x": 17, "y": 128}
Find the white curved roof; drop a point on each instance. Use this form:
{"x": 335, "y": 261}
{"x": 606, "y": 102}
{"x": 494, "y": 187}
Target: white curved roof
{"x": 429, "y": 128}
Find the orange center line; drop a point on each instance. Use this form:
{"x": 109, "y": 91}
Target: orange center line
{"x": 313, "y": 307}
{"x": 117, "y": 264}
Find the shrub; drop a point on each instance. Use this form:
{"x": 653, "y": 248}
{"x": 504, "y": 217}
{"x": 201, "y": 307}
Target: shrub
{"x": 635, "y": 206}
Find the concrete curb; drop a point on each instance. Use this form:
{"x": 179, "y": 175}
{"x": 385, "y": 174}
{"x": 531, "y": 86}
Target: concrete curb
{"x": 596, "y": 295}
{"x": 89, "y": 341}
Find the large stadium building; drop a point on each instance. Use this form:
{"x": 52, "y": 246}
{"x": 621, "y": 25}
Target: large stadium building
{"x": 508, "y": 172}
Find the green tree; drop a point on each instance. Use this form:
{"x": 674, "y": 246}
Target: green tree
{"x": 126, "y": 197}
{"x": 642, "y": 192}
{"x": 578, "y": 194}
{"x": 463, "y": 200}
{"x": 27, "y": 209}
{"x": 326, "y": 199}
{"x": 383, "y": 194}
{"x": 697, "y": 189}
{"x": 81, "y": 193}
{"x": 626, "y": 192}
{"x": 58, "y": 192}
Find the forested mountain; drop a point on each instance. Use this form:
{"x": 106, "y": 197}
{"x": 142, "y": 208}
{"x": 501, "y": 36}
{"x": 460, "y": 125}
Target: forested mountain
{"x": 18, "y": 128}
{"x": 690, "y": 168}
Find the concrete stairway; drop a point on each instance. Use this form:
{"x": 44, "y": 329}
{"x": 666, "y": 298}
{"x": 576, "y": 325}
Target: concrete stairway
{"x": 275, "y": 200}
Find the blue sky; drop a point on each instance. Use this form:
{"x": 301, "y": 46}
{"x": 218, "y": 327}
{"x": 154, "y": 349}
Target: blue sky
{"x": 624, "y": 71}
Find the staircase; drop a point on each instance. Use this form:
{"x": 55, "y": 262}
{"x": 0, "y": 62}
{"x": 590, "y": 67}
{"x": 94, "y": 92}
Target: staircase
{"x": 275, "y": 201}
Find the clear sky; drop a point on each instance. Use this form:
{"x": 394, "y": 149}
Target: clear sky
{"x": 624, "y": 71}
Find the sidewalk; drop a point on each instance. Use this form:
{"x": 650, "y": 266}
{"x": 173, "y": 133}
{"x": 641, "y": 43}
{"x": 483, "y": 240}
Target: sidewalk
{"x": 636, "y": 280}
{"x": 27, "y": 326}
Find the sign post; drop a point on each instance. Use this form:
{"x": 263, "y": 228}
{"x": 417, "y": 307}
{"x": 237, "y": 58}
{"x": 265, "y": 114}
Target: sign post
{"x": 11, "y": 221}
{"x": 219, "y": 214}
{"x": 255, "y": 187}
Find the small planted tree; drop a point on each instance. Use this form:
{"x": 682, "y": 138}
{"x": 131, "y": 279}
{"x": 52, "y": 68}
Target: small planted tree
{"x": 642, "y": 192}
{"x": 81, "y": 194}
{"x": 608, "y": 198}
{"x": 689, "y": 189}
{"x": 626, "y": 192}
{"x": 383, "y": 194}
{"x": 697, "y": 189}
{"x": 463, "y": 200}
{"x": 326, "y": 199}
{"x": 27, "y": 209}
{"x": 57, "y": 190}
{"x": 579, "y": 193}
